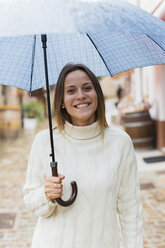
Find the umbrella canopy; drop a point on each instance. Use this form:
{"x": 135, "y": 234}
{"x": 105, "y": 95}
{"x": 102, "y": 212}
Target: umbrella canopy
{"x": 106, "y": 54}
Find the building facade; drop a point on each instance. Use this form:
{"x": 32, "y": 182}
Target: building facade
{"x": 149, "y": 82}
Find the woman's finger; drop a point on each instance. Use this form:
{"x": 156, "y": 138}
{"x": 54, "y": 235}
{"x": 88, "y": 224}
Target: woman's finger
{"x": 53, "y": 185}
{"x": 53, "y": 191}
{"x": 53, "y": 179}
{"x": 54, "y": 196}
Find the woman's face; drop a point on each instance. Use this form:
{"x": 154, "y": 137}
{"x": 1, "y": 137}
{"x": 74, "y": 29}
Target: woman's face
{"x": 80, "y": 98}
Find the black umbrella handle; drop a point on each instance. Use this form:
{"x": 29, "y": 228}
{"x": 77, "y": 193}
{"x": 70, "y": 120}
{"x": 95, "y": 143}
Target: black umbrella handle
{"x": 73, "y": 184}
{"x": 53, "y": 164}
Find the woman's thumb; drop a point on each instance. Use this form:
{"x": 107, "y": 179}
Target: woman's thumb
{"x": 61, "y": 176}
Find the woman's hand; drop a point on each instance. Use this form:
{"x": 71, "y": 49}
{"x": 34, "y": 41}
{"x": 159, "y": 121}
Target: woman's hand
{"x": 53, "y": 187}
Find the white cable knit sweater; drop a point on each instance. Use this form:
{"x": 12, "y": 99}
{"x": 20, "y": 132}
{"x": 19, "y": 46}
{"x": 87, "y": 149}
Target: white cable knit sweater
{"x": 106, "y": 175}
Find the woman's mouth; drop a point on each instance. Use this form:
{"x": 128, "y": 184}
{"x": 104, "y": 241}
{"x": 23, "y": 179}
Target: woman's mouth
{"x": 82, "y": 105}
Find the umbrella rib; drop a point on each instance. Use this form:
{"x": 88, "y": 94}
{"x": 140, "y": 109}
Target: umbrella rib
{"x": 156, "y": 43}
{"x": 99, "y": 54}
{"x": 32, "y": 66}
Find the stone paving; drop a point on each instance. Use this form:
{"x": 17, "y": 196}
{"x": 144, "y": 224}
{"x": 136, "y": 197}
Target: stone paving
{"x": 152, "y": 179}
{"x": 16, "y": 231}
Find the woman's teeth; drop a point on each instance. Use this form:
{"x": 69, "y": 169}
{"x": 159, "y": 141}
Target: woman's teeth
{"x": 82, "y": 106}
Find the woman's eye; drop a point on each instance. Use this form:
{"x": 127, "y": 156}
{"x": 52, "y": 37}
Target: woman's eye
{"x": 87, "y": 88}
{"x": 71, "y": 91}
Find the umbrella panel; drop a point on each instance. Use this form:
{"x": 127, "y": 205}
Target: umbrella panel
{"x": 63, "y": 49}
{"x": 122, "y": 52}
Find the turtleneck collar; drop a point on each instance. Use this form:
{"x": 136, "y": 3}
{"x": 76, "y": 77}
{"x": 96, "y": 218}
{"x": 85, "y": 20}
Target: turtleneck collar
{"x": 82, "y": 132}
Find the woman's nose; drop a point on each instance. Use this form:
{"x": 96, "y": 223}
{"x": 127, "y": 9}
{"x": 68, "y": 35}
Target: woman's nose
{"x": 80, "y": 94}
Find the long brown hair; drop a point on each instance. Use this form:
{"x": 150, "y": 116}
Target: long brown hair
{"x": 61, "y": 114}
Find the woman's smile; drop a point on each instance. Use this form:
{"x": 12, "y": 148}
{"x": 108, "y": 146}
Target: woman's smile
{"x": 82, "y": 105}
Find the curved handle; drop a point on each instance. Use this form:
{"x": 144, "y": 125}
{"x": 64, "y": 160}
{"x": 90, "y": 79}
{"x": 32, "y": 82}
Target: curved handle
{"x": 73, "y": 184}
{"x": 71, "y": 199}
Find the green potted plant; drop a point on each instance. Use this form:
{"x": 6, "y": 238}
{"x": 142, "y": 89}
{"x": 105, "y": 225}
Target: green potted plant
{"x": 33, "y": 113}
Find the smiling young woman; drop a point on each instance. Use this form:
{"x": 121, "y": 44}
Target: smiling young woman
{"x": 76, "y": 85}
{"x": 99, "y": 158}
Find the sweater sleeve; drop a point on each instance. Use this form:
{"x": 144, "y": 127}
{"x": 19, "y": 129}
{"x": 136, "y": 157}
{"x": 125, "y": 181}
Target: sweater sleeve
{"x": 129, "y": 203}
{"x": 34, "y": 195}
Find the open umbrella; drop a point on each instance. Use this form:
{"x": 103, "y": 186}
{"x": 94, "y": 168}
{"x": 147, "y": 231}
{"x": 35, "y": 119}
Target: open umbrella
{"x": 109, "y": 37}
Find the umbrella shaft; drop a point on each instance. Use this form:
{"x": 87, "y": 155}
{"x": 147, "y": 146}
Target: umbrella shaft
{"x": 44, "y": 39}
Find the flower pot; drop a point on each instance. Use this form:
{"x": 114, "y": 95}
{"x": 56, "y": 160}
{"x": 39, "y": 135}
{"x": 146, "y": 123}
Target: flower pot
{"x": 30, "y": 123}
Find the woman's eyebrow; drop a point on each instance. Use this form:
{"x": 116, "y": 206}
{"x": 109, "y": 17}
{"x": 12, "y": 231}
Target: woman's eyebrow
{"x": 72, "y": 86}
{"x": 87, "y": 83}
{"x": 69, "y": 86}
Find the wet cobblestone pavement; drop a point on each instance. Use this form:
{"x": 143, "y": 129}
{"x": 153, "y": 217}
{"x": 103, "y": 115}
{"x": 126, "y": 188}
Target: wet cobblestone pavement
{"x": 17, "y": 224}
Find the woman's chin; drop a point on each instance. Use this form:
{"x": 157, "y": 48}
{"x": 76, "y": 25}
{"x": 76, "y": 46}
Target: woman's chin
{"x": 83, "y": 121}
